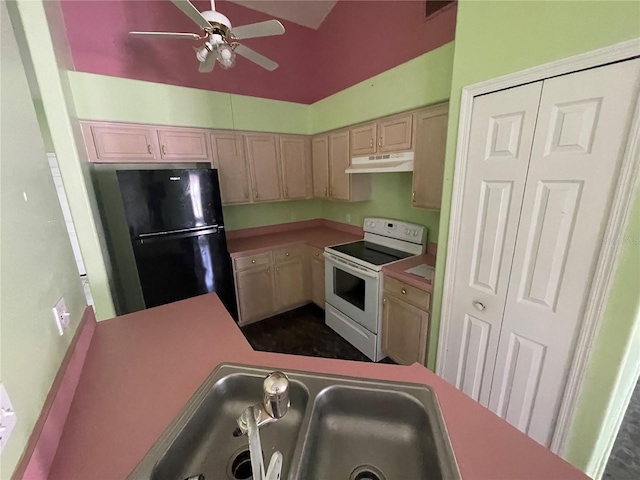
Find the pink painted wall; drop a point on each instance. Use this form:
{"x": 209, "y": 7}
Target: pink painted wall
{"x": 354, "y": 42}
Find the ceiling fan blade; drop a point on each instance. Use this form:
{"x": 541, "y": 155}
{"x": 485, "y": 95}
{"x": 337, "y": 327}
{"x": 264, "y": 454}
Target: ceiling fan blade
{"x": 260, "y": 29}
{"x": 256, "y": 57}
{"x": 185, "y": 36}
{"x": 208, "y": 64}
{"x": 192, "y": 12}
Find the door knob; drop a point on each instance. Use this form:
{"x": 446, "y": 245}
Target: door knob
{"x": 479, "y": 306}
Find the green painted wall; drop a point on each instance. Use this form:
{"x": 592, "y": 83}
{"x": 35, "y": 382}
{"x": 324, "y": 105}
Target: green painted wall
{"x": 98, "y": 97}
{"x": 422, "y": 81}
{"x": 37, "y": 262}
{"x": 67, "y": 143}
{"x": 246, "y": 216}
{"x": 494, "y": 38}
{"x": 391, "y": 199}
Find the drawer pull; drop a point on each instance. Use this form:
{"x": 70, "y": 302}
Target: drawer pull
{"x": 163, "y": 150}
{"x": 317, "y": 254}
{"x": 380, "y": 141}
{"x": 286, "y": 254}
{"x": 149, "y": 148}
{"x": 403, "y": 291}
{"x": 253, "y": 261}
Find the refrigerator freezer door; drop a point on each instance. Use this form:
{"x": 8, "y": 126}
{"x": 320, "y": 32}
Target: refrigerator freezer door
{"x": 167, "y": 200}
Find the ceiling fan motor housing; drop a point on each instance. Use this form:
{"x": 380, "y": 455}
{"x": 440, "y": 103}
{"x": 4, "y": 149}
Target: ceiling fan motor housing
{"x": 216, "y": 17}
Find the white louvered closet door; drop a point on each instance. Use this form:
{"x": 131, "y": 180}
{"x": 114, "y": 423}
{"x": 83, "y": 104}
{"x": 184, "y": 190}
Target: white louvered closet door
{"x": 502, "y": 127}
{"x": 580, "y": 136}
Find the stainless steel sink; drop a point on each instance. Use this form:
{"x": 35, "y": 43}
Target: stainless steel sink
{"x": 336, "y": 428}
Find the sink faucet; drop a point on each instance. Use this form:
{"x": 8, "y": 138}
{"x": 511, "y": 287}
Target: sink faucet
{"x": 275, "y": 404}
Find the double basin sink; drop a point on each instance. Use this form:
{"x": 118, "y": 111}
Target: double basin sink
{"x": 336, "y": 428}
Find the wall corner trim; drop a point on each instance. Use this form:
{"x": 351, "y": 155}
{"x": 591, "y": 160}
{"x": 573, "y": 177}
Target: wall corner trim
{"x": 42, "y": 446}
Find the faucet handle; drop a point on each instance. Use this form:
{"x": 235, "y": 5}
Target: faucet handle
{"x": 276, "y": 394}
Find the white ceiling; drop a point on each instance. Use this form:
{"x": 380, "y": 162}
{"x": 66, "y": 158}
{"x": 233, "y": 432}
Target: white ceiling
{"x": 308, "y": 13}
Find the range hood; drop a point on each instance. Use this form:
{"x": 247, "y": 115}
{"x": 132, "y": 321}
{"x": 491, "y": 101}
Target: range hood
{"x": 388, "y": 162}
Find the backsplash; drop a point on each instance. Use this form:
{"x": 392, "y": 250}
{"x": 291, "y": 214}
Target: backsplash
{"x": 391, "y": 198}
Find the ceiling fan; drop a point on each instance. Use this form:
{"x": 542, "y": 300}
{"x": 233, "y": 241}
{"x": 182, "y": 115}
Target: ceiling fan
{"x": 221, "y": 38}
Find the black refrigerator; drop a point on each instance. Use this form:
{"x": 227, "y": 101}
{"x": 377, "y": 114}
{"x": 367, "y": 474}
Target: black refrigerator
{"x": 176, "y": 232}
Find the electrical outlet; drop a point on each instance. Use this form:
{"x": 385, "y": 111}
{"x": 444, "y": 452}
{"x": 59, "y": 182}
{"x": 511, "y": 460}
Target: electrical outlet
{"x": 61, "y": 316}
{"x": 8, "y": 417}
{"x": 348, "y": 218}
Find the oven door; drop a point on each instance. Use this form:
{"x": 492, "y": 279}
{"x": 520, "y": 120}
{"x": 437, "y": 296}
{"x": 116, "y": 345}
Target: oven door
{"x": 354, "y": 290}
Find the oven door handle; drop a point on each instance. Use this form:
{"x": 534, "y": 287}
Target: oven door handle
{"x": 349, "y": 265}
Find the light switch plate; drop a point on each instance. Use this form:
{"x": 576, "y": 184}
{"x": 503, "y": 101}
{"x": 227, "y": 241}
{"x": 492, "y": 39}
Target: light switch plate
{"x": 8, "y": 417}
{"x": 61, "y": 316}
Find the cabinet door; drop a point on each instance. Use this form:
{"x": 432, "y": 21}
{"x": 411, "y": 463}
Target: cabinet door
{"x": 262, "y": 153}
{"x": 320, "y": 162}
{"x": 363, "y": 139}
{"x": 229, "y": 159}
{"x": 394, "y": 134}
{"x": 317, "y": 279}
{"x": 428, "y": 164}
{"x": 295, "y": 166}
{"x": 256, "y": 298}
{"x": 339, "y": 184}
{"x": 119, "y": 143}
{"x": 290, "y": 284}
{"x": 404, "y": 331}
{"x": 183, "y": 144}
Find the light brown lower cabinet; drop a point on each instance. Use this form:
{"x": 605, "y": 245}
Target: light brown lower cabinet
{"x": 274, "y": 282}
{"x": 405, "y": 330}
{"x": 317, "y": 277}
{"x": 256, "y": 293}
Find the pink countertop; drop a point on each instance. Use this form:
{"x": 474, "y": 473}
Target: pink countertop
{"x": 397, "y": 271}
{"x": 317, "y": 233}
{"x": 142, "y": 368}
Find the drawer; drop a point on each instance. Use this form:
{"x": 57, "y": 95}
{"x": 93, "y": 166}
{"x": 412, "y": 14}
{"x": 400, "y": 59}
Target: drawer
{"x": 414, "y": 296}
{"x": 288, "y": 253}
{"x": 316, "y": 253}
{"x": 257, "y": 260}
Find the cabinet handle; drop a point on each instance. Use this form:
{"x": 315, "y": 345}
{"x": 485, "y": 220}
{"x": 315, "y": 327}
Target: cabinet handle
{"x": 246, "y": 194}
{"x": 149, "y": 148}
{"x": 286, "y": 254}
{"x": 317, "y": 254}
{"x": 277, "y": 269}
{"x": 253, "y": 261}
{"x": 325, "y": 191}
{"x": 413, "y": 196}
{"x": 286, "y": 192}
{"x": 403, "y": 291}
{"x": 384, "y": 301}
{"x": 371, "y": 142}
{"x": 330, "y": 191}
{"x": 163, "y": 150}
{"x": 256, "y": 194}
{"x": 380, "y": 141}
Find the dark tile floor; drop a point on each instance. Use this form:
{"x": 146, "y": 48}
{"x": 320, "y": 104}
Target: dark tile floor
{"x": 624, "y": 462}
{"x": 301, "y": 332}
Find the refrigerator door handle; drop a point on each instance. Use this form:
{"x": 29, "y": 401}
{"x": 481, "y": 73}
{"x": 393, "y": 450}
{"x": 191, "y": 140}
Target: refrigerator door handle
{"x": 176, "y": 234}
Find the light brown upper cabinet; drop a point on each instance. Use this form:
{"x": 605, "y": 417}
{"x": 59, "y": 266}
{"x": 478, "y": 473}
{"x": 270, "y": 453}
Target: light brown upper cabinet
{"x": 394, "y": 133}
{"x": 264, "y": 165}
{"x": 320, "y": 162}
{"x": 428, "y": 164}
{"x": 364, "y": 139}
{"x": 229, "y": 159}
{"x": 344, "y": 186}
{"x": 119, "y": 143}
{"x": 184, "y": 144}
{"x": 295, "y": 161}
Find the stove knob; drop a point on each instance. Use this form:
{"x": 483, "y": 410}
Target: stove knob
{"x": 415, "y": 233}
{"x": 406, "y": 231}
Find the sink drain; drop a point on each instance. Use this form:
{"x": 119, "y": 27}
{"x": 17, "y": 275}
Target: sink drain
{"x": 366, "y": 472}
{"x": 240, "y": 466}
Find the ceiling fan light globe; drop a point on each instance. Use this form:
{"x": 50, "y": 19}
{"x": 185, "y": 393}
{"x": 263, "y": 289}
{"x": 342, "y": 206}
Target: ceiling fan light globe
{"x": 226, "y": 56}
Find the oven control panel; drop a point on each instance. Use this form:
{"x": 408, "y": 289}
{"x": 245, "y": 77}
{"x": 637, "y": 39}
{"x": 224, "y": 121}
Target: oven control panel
{"x": 407, "y": 232}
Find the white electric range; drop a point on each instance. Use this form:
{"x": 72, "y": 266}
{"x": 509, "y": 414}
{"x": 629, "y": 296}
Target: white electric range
{"x": 353, "y": 280}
